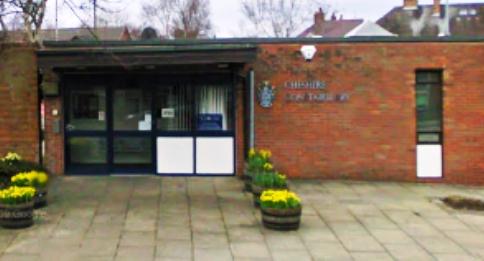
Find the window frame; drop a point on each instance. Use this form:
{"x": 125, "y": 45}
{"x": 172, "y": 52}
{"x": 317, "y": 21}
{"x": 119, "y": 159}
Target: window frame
{"x": 439, "y": 84}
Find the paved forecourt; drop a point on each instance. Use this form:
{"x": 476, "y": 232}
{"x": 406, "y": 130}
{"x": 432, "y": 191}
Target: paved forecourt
{"x": 173, "y": 218}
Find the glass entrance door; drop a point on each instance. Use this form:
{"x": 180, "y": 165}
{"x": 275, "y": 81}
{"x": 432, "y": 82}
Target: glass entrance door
{"x": 108, "y": 126}
{"x": 86, "y": 129}
{"x": 132, "y": 150}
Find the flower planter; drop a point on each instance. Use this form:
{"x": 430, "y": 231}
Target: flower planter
{"x": 281, "y": 219}
{"x": 257, "y": 191}
{"x": 17, "y": 216}
{"x": 4, "y": 181}
{"x": 247, "y": 182}
{"x": 40, "y": 198}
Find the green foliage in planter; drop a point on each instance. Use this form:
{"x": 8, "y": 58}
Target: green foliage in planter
{"x": 257, "y": 160}
{"x": 270, "y": 179}
{"x": 11, "y": 168}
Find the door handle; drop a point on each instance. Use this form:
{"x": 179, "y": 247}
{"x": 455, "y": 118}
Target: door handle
{"x": 70, "y": 127}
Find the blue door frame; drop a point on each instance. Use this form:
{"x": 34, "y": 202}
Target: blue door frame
{"x": 151, "y": 84}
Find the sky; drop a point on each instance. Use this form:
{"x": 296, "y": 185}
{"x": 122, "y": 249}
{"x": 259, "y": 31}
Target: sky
{"x": 226, "y": 16}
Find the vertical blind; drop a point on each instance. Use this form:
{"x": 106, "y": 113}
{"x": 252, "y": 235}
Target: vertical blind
{"x": 175, "y": 99}
{"x": 214, "y": 99}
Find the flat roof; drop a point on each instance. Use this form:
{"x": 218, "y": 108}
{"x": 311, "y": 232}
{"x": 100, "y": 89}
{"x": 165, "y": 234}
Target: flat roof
{"x": 251, "y": 41}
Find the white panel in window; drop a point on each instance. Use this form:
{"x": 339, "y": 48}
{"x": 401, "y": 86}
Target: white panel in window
{"x": 175, "y": 155}
{"x": 429, "y": 161}
{"x": 215, "y": 155}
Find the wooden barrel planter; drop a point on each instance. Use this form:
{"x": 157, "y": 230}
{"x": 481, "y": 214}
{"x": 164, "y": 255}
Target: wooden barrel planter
{"x": 4, "y": 181}
{"x": 17, "y": 216}
{"x": 247, "y": 182}
{"x": 40, "y": 198}
{"x": 256, "y": 192}
{"x": 281, "y": 219}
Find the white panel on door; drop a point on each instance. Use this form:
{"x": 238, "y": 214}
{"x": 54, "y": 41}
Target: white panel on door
{"x": 174, "y": 155}
{"x": 429, "y": 161}
{"x": 215, "y": 155}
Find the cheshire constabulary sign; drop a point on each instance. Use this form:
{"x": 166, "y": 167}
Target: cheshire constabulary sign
{"x": 312, "y": 91}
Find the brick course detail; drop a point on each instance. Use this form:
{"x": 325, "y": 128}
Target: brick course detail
{"x": 372, "y": 135}
{"x": 362, "y": 128}
{"x": 19, "y": 105}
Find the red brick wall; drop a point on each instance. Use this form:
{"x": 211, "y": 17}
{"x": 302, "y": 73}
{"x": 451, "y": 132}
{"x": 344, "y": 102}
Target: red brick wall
{"x": 54, "y": 142}
{"x": 372, "y": 135}
{"x": 239, "y": 128}
{"x": 19, "y": 117}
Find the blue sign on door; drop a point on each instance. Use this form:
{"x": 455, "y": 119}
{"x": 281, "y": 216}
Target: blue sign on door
{"x": 210, "y": 121}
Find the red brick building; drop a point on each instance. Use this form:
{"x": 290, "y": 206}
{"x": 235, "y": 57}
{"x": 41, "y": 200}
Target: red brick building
{"x": 362, "y": 109}
{"x": 19, "y": 99}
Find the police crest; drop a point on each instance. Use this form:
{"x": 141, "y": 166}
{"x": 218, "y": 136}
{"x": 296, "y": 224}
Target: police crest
{"x": 266, "y": 94}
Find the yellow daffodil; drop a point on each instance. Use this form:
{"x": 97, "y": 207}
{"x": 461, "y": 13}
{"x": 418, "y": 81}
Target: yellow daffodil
{"x": 279, "y": 199}
{"x": 266, "y": 154}
{"x": 268, "y": 166}
{"x": 251, "y": 152}
{"x": 16, "y": 195}
{"x": 30, "y": 179}
{"x": 11, "y": 156}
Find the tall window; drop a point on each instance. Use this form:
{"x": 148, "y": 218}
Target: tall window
{"x": 429, "y": 106}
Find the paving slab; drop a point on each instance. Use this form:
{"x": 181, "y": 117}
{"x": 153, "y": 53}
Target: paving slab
{"x": 137, "y": 238}
{"x": 249, "y": 250}
{"x": 290, "y": 255}
{"x": 181, "y": 218}
{"x": 374, "y": 256}
{"x": 328, "y": 251}
{"x": 174, "y": 249}
{"x": 130, "y": 253}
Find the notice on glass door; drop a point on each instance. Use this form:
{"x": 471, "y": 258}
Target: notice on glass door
{"x": 101, "y": 116}
{"x": 168, "y": 113}
{"x": 144, "y": 126}
{"x": 148, "y": 117}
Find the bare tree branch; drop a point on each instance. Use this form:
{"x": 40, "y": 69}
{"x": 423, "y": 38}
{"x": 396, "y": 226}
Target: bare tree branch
{"x": 279, "y": 18}
{"x": 32, "y": 13}
{"x": 3, "y": 26}
{"x": 179, "y": 18}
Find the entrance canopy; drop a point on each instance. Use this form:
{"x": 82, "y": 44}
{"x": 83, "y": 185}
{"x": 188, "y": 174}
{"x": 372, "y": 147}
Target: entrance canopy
{"x": 133, "y": 54}
{"x": 130, "y": 107}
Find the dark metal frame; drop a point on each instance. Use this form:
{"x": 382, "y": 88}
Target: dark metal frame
{"x": 440, "y": 82}
{"x": 157, "y": 81}
{"x": 441, "y": 133}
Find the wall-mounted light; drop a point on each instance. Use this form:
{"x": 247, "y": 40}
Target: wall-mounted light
{"x": 308, "y": 52}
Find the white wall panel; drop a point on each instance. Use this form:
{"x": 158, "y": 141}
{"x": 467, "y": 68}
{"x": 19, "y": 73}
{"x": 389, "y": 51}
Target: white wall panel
{"x": 429, "y": 161}
{"x": 175, "y": 155}
{"x": 215, "y": 155}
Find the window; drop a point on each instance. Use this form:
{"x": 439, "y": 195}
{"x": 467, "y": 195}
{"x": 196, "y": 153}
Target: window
{"x": 174, "y": 111}
{"x": 87, "y": 150}
{"x": 132, "y": 110}
{"x": 88, "y": 109}
{"x": 214, "y": 108}
{"x": 132, "y": 150}
{"x": 205, "y": 107}
{"x": 429, "y": 106}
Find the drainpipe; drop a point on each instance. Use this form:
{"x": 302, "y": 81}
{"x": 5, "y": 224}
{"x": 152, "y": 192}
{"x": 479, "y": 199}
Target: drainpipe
{"x": 447, "y": 18}
{"x": 251, "y": 110}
